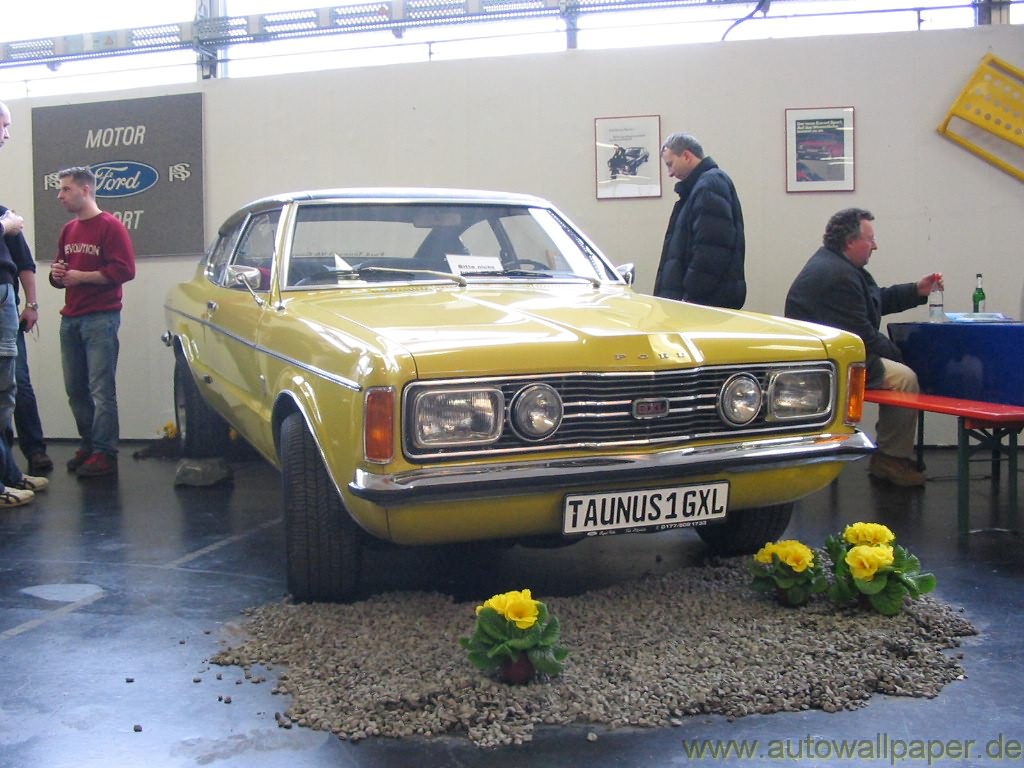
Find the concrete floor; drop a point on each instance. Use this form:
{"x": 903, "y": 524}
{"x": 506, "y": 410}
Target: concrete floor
{"x": 113, "y": 595}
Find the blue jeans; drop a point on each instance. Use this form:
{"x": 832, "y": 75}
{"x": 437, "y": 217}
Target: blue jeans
{"x": 88, "y": 351}
{"x": 8, "y": 377}
{"x": 12, "y": 474}
{"x": 26, "y": 410}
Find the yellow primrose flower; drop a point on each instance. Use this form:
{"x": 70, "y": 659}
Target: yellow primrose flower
{"x": 764, "y": 554}
{"x": 796, "y": 555}
{"x": 498, "y": 603}
{"x": 517, "y": 606}
{"x": 865, "y": 560}
{"x": 868, "y": 533}
{"x": 522, "y": 610}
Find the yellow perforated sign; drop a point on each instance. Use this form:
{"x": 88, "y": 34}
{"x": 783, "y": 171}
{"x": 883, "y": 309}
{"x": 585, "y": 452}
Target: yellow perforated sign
{"x": 988, "y": 116}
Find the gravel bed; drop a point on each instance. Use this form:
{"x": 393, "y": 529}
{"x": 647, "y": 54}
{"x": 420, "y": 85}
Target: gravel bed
{"x": 642, "y": 654}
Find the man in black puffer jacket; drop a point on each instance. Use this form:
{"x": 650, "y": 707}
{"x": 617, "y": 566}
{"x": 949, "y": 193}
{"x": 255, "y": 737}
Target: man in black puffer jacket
{"x": 702, "y": 258}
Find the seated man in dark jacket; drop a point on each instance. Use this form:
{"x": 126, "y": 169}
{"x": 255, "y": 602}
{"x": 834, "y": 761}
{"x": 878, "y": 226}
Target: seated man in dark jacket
{"x": 702, "y": 257}
{"x": 835, "y": 289}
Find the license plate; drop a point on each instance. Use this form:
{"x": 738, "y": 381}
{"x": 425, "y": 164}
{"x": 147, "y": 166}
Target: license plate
{"x": 655, "y": 509}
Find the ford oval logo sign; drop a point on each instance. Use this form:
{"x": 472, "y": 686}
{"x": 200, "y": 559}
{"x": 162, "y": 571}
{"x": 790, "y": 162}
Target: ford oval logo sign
{"x": 123, "y": 178}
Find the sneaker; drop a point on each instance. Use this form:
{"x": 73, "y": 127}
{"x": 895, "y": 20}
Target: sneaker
{"x": 77, "y": 460}
{"x": 98, "y": 465}
{"x": 14, "y": 497}
{"x": 30, "y": 483}
{"x": 897, "y": 471}
{"x": 39, "y": 463}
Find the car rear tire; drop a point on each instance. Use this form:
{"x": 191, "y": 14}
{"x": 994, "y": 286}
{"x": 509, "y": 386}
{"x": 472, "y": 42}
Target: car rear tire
{"x": 203, "y": 431}
{"x": 324, "y": 546}
{"x": 747, "y": 530}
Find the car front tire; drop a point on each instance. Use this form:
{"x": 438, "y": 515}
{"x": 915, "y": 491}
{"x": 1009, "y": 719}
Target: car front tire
{"x": 204, "y": 433}
{"x": 747, "y": 530}
{"x": 324, "y": 546}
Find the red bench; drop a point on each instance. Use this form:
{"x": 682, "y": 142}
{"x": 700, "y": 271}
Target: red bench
{"x": 989, "y": 424}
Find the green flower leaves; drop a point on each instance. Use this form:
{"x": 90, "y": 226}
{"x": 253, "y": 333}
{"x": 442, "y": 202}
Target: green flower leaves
{"x": 497, "y": 639}
{"x": 790, "y": 587}
{"x": 867, "y": 565}
{"x": 888, "y": 584}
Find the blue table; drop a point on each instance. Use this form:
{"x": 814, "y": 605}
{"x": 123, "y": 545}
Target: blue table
{"x": 976, "y": 362}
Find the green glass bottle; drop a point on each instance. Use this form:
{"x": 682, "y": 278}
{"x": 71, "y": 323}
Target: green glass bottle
{"x": 979, "y": 296}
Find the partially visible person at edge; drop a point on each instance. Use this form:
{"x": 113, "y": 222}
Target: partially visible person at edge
{"x": 835, "y": 289}
{"x": 15, "y": 489}
{"x": 26, "y": 410}
{"x": 702, "y": 256}
{"x": 95, "y": 257}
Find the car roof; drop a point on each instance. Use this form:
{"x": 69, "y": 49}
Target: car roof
{"x": 386, "y": 195}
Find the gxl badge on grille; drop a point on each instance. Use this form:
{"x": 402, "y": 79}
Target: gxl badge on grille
{"x": 650, "y": 408}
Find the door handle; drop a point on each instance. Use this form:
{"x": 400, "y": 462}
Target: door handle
{"x": 211, "y": 306}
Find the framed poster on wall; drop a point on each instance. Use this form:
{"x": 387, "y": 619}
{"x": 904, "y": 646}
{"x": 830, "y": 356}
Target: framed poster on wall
{"x": 627, "y": 156}
{"x": 819, "y": 150}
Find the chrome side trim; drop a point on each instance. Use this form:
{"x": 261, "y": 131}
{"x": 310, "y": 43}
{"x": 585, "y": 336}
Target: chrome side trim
{"x": 600, "y": 472}
{"x": 318, "y": 372}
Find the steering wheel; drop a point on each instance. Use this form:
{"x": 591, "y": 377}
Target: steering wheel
{"x": 315, "y": 277}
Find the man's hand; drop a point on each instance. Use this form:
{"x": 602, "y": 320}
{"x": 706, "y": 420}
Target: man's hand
{"x": 58, "y": 271}
{"x": 29, "y": 317}
{"x": 69, "y": 277}
{"x": 12, "y": 223}
{"x": 924, "y": 285}
{"x": 73, "y": 277}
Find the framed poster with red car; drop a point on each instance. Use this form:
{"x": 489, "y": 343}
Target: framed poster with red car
{"x": 819, "y": 150}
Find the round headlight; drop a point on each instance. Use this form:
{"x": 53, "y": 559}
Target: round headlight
{"x": 740, "y": 399}
{"x": 536, "y": 412}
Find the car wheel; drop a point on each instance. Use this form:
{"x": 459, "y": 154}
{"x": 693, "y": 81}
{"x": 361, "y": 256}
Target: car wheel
{"x": 203, "y": 431}
{"x": 324, "y": 546}
{"x": 747, "y": 530}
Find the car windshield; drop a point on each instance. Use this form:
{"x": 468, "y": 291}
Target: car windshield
{"x": 338, "y": 244}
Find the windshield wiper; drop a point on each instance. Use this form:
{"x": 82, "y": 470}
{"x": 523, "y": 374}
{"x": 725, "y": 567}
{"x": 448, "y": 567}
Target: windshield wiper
{"x": 357, "y": 272}
{"x": 531, "y": 273}
{"x": 432, "y": 272}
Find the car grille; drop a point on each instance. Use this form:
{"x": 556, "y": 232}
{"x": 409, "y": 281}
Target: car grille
{"x": 598, "y": 410}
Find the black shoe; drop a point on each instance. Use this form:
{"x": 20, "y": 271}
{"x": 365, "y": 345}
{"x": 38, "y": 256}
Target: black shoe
{"x": 39, "y": 463}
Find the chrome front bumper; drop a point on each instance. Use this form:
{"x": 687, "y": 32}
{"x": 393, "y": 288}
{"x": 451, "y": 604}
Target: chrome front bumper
{"x": 598, "y": 472}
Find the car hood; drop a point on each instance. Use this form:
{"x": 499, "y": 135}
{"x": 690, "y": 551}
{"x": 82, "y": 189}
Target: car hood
{"x": 477, "y": 329}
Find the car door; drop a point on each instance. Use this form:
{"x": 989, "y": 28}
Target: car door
{"x": 233, "y": 317}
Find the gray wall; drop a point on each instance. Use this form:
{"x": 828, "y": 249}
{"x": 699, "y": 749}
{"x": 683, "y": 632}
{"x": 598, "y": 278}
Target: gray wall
{"x": 526, "y": 124}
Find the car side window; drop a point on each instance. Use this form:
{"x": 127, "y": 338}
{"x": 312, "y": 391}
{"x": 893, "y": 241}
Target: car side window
{"x": 256, "y": 246}
{"x": 220, "y": 253}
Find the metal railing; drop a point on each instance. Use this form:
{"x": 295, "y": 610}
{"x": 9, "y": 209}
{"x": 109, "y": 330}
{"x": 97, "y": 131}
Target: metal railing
{"x": 209, "y": 36}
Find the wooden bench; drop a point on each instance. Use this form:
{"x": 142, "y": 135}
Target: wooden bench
{"x": 989, "y": 424}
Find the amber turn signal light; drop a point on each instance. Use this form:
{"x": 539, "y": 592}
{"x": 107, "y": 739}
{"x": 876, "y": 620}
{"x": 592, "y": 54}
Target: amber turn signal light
{"x": 855, "y": 386}
{"x": 379, "y": 424}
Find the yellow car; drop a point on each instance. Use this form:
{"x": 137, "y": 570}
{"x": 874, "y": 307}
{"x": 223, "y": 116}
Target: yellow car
{"x": 429, "y": 366}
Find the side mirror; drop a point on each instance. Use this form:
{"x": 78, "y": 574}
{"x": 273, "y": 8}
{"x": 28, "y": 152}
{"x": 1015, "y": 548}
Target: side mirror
{"x": 627, "y": 272}
{"x": 241, "y": 276}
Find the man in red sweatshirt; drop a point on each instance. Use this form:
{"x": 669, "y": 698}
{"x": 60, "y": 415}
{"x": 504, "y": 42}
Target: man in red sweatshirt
{"x": 95, "y": 257}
